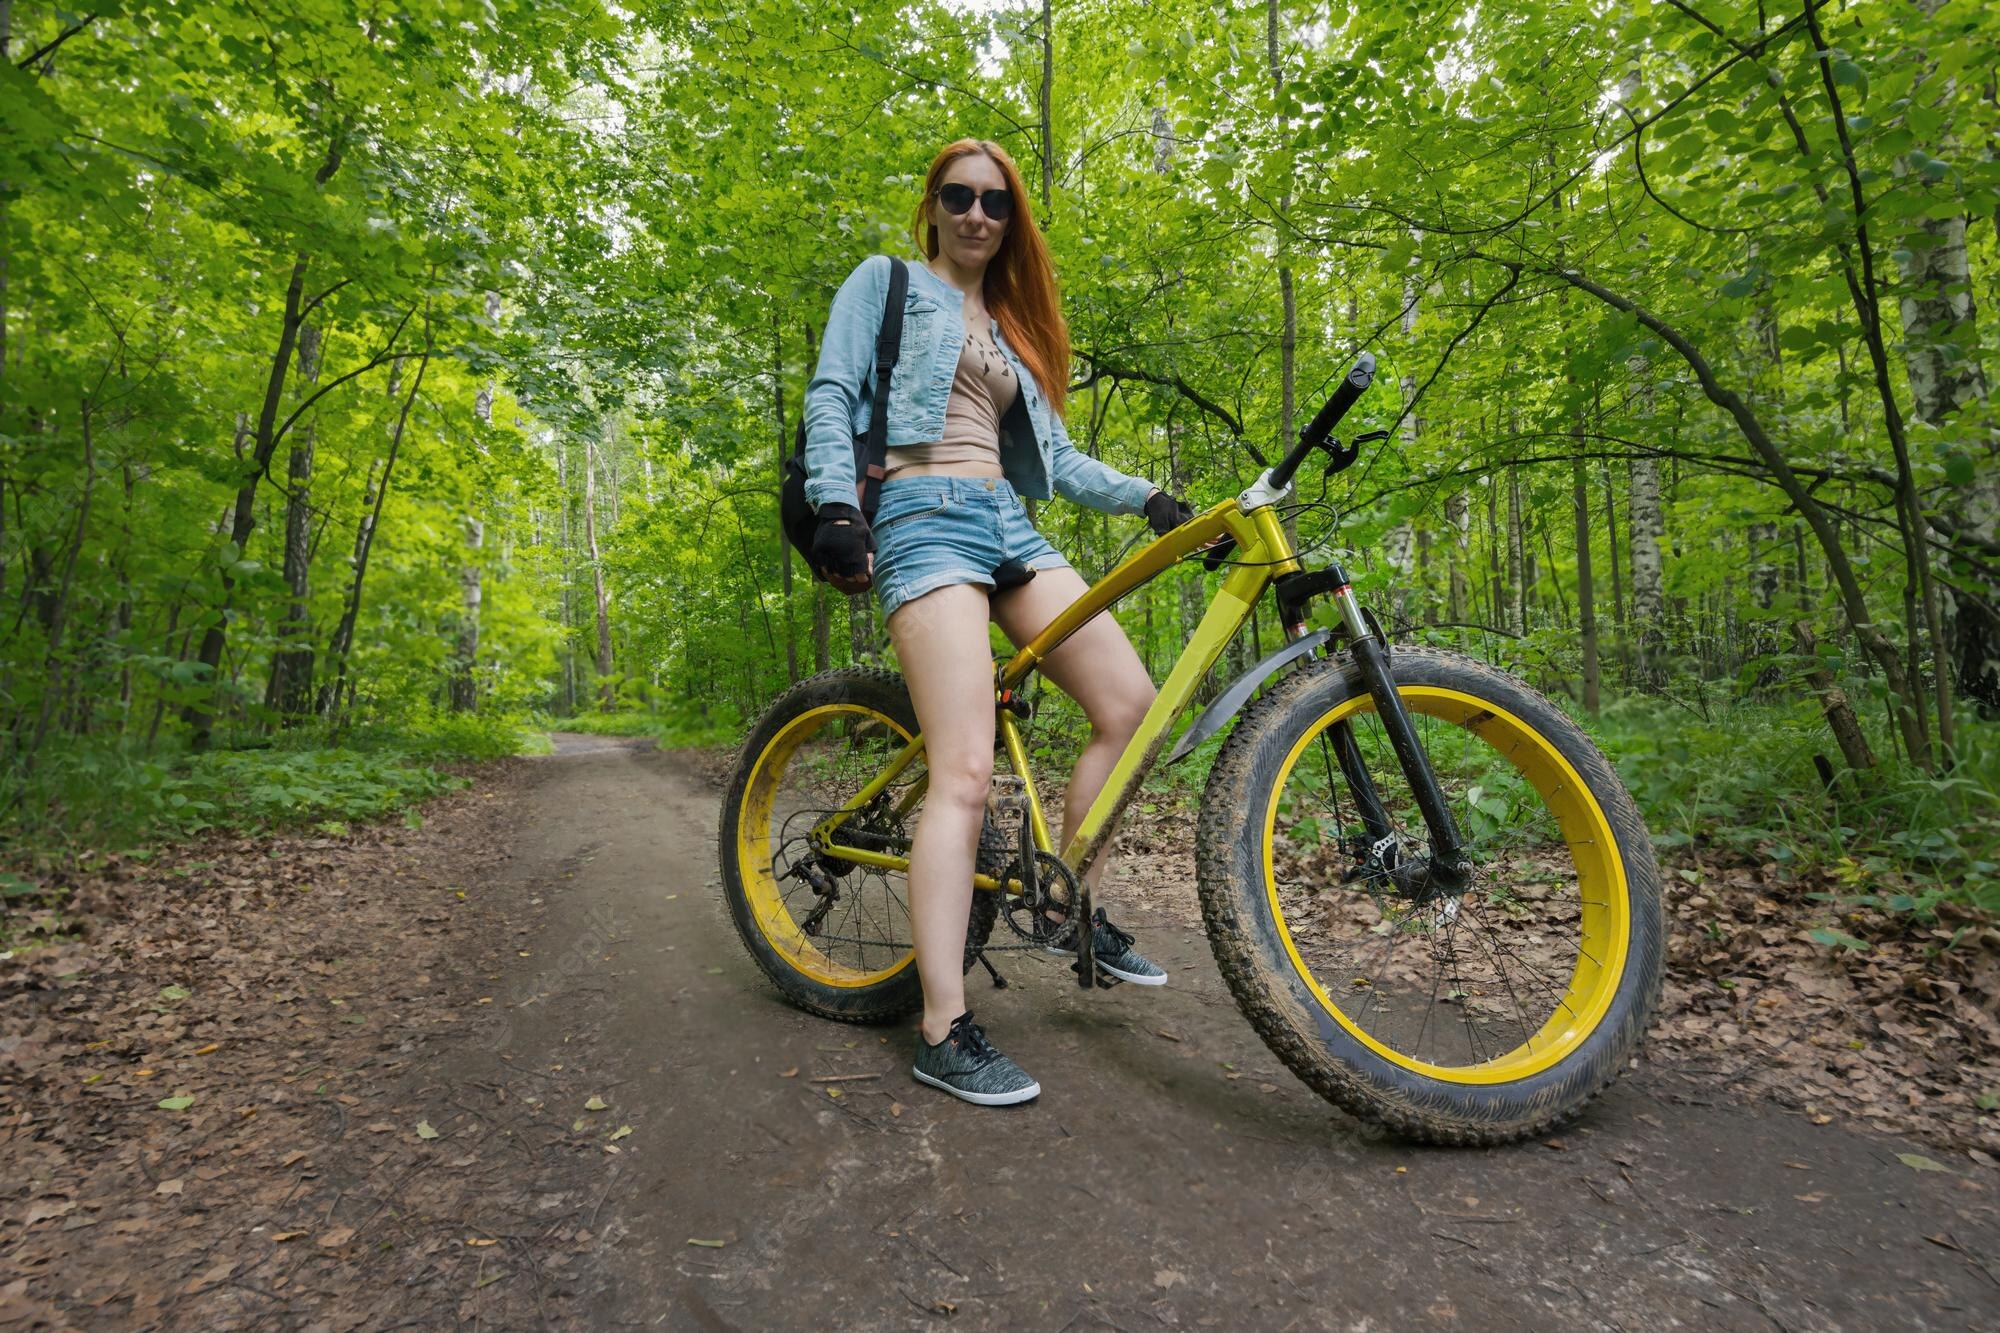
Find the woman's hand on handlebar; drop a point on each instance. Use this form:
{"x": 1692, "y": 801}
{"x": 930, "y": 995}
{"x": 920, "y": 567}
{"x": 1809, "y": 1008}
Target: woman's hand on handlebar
{"x": 844, "y": 548}
{"x": 1165, "y": 512}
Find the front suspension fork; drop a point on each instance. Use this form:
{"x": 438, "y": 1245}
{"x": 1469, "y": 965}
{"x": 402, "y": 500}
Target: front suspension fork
{"x": 1449, "y": 869}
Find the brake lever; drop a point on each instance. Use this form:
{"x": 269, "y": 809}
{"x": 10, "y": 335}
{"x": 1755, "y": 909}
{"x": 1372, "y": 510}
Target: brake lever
{"x": 1343, "y": 456}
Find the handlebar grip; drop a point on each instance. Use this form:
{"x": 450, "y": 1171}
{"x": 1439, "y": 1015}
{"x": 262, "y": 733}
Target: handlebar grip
{"x": 1352, "y": 387}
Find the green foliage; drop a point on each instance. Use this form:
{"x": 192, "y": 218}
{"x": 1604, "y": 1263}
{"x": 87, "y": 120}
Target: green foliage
{"x": 672, "y": 728}
{"x": 90, "y": 800}
{"x": 1745, "y": 780}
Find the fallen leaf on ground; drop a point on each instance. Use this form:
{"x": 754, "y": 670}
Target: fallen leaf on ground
{"x": 210, "y": 1049}
{"x": 1168, "y": 1278}
{"x": 424, "y": 1130}
{"x": 620, "y": 1133}
{"x": 337, "y": 1236}
{"x": 292, "y": 1156}
{"x": 1916, "y": 1161}
{"x": 793, "y": 1072}
{"x": 211, "y": 1277}
{"x": 895, "y": 1109}
{"x": 287, "y": 1235}
{"x": 594, "y": 1104}
{"x": 180, "y": 1103}
{"x": 480, "y": 1240}
{"x": 707, "y": 1244}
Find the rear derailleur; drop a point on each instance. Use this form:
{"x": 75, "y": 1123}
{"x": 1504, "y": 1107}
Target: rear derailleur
{"x": 824, "y": 888}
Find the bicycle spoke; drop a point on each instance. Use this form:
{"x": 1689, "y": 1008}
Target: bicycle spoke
{"x": 1501, "y": 952}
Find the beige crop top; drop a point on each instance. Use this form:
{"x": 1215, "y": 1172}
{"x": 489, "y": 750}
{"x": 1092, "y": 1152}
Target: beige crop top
{"x": 982, "y": 389}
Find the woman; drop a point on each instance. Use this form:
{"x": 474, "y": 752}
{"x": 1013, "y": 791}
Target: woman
{"x": 974, "y": 422}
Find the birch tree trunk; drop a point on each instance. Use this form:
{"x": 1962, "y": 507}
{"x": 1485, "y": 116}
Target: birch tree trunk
{"x": 1941, "y": 341}
{"x": 1647, "y": 526}
{"x": 1458, "y": 519}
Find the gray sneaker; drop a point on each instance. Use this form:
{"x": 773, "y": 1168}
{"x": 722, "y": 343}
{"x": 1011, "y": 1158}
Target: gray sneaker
{"x": 965, "y": 1065}
{"x": 1115, "y": 955}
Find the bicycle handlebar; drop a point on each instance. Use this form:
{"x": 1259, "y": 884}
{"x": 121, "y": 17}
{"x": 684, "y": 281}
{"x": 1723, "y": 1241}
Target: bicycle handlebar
{"x": 1356, "y": 382}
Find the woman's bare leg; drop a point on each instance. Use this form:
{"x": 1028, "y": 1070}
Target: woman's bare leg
{"x": 947, "y": 660}
{"x": 1098, "y": 667}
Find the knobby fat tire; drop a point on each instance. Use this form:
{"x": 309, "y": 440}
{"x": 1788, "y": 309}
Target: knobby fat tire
{"x": 1251, "y": 954}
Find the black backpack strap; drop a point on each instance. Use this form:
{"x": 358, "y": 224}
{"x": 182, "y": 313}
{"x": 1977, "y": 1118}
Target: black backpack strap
{"x": 888, "y": 346}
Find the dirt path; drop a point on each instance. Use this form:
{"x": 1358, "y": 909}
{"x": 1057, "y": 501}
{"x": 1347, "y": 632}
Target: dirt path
{"x": 1147, "y": 1187}
{"x": 513, "y": 1069}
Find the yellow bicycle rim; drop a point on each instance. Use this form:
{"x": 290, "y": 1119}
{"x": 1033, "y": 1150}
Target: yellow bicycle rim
{"x": 754, "y": 852}
{"x": 1605, "y": 907}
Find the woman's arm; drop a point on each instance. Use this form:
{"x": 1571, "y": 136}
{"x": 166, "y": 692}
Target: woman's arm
{"x": 1094, "y": 485}
{"x": 833, "y": 395}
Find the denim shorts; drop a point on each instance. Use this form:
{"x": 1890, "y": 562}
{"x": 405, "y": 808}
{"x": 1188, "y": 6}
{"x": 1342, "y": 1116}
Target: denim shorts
{"x": 934, "y": 531}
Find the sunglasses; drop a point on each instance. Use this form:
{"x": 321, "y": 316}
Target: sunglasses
{"x": 957, "y": 200}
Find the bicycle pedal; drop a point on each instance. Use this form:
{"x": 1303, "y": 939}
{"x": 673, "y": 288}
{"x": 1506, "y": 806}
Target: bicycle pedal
{"x": 1102, "y": 980}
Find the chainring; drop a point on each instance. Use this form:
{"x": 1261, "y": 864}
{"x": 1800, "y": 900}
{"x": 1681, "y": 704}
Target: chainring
{"x": 1055, "y": 888}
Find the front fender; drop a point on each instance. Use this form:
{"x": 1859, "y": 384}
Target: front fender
{"x": 1227, "y": 704}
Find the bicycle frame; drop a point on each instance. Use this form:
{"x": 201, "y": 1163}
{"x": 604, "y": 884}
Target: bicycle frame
{"x": 1263, "y": 554}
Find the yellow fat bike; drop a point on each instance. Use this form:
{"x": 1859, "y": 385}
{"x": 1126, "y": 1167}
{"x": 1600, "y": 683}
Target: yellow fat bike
{"x": 1423, "y": 883}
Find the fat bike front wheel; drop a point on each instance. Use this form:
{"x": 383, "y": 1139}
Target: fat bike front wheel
{"x": 1481, "y": 1015}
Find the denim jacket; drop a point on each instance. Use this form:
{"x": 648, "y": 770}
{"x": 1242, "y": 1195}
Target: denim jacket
{"x": 1035, "y": 450}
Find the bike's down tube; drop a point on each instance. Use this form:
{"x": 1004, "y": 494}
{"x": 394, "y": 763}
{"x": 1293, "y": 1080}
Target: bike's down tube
{"x": 1264, "y": 554}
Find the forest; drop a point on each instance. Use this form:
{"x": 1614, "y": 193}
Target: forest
{"x": 379, "y": 387}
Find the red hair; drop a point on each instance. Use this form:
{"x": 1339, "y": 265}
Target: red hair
{"x": 1020, "y": 282}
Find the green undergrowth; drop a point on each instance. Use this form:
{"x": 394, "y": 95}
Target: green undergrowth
{"x": 83, "y": 803}
{"x": 672, "y": 729}
{"x": 1745, "y": 779}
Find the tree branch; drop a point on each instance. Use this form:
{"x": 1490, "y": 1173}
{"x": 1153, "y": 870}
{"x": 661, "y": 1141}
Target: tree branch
{"x": 50, "y": 48}
{"x": 1103, "y": 369}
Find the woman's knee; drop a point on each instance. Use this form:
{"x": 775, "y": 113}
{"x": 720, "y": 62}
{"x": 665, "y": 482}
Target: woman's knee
{"x": 1117, "y": 715}
{"x": 960, "y": 781}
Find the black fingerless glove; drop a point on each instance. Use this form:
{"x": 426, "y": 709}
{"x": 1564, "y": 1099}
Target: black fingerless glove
{"x": 1165, "y": 513}
{"x": 842, "y": 548}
